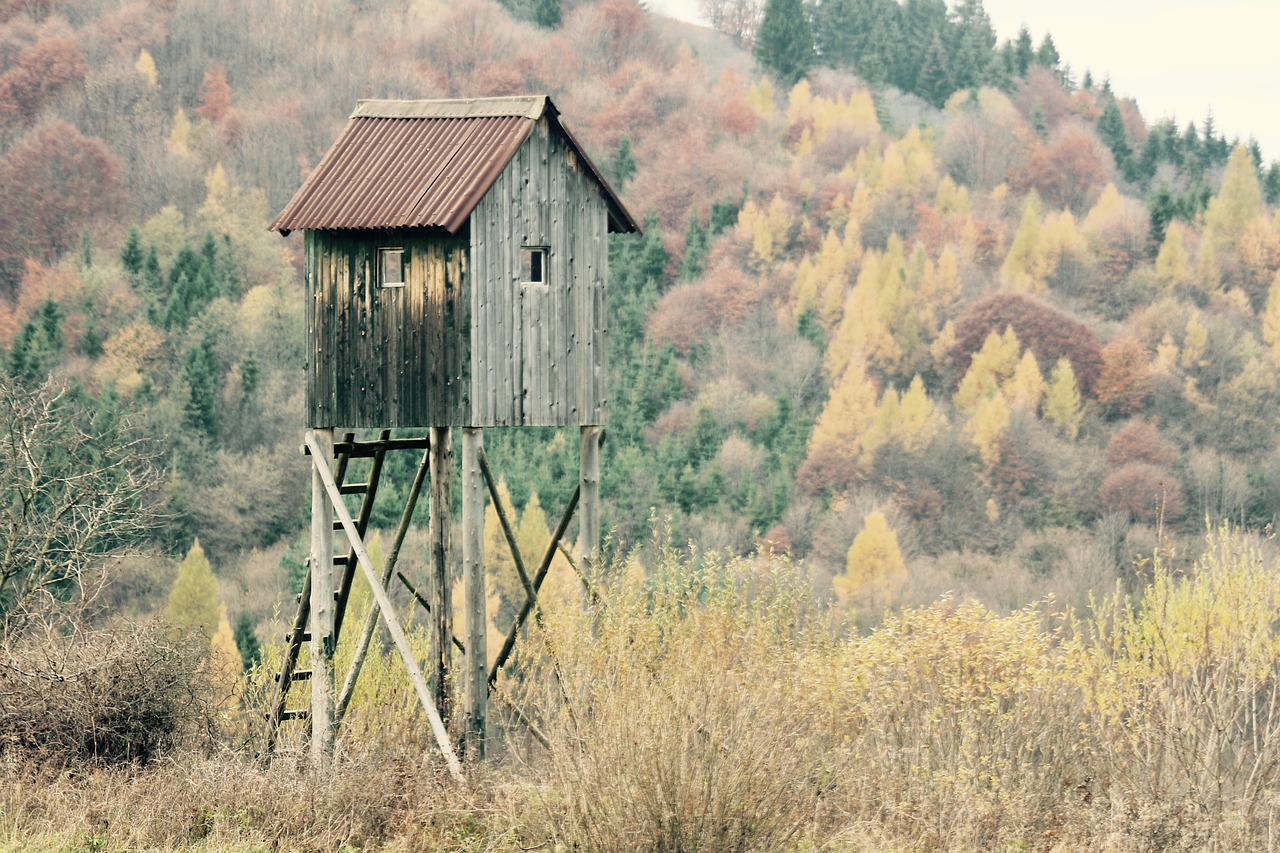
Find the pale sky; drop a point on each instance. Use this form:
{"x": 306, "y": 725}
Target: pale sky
{"x": 1177, "y": 58}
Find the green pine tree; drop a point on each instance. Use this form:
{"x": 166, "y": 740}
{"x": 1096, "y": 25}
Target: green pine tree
{"x": 784, "y": 42}
{"x": 1112, "y": 130}
{"x": 203, "y": 377}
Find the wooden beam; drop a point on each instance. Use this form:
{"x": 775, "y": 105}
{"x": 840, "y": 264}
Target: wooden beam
{"x": 589, "y": 511}
{"x": 475, "y": 677}
{"x": 371, "y": 620}
{"x": 388, "y": 616}
{"x": 322, "y": 604}
{"x": 440, "y": 589}
{"x": 532, "y": 601}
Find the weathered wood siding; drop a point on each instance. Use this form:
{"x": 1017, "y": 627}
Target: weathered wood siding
{"x": 387, "y": 356}
{"x": 538, "y": 351}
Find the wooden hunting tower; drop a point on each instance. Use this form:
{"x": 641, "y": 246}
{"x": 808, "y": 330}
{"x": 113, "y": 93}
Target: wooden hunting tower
{"x": 456, "y": 258}
{"x": 456, "y": 266}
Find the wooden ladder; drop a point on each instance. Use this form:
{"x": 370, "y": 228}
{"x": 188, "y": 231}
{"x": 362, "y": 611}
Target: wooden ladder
{"x": 344, "y": 451}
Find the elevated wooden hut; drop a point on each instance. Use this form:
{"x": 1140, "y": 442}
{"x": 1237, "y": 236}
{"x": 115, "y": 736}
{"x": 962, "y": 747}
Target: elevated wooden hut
{"x": 456, "y": 259}
{"x": 456, "y": 268}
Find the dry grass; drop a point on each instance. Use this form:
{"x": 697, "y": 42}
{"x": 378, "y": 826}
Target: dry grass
{"x": 712, "y": 705}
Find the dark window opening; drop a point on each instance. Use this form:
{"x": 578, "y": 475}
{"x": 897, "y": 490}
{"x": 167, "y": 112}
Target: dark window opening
{"x": 533, "y": 265}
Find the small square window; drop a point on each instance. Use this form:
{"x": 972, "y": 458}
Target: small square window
{"x": 533, "y": 265}
{"x": 391, "y": 267}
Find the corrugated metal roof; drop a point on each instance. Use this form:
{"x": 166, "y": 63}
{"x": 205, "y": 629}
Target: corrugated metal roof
{"x": 400, "y": 164}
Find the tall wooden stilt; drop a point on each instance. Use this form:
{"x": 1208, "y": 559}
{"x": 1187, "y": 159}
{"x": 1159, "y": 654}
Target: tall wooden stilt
{"x": 589, "y": 503}
{"x": 439, "y": 534}
{"x": 476, "y": 676}
{"x": 322, "y": 730}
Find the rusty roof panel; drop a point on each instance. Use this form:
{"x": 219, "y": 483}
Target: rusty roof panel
{"x": 404, "y": 164}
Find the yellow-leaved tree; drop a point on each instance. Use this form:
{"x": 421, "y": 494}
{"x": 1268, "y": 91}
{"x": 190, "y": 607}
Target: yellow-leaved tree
{"x": 225, "y": 664}
{"x": 874, "y": 569}
{"x": 990, "y": 368}
{"x": 987, "y": 425}
{"x": 1062, "y": 404}
{"x": 1025, "y": 389}
{"x": 193, "y": 601}
{"x": 1271, "y": 321}
{"x": 848, "y": 414}
{"x": 1237, "y": 203}
{"x": 1173, "y": 266}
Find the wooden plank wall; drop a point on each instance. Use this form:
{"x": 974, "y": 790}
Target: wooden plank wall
{"x": 537, "y": 355}
{"x": 387, "y": 356}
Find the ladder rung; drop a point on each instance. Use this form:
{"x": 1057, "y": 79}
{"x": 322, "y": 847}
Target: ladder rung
{"x": 306, "y": 637}
{"x": 337, "y": 525}
{"x": 341, "y": 559}
{"x": 353, "y": 488}
{"x": 298, "y": 714}
{"x": 301, "y": 675}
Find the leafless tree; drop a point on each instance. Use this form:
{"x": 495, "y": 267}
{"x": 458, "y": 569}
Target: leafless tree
{"x": 76, "y": 486}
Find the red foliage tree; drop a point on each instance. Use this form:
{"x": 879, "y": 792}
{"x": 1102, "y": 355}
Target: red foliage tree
{"x": 53, "y": 183}
{"x": 1143, "y": 491}
{"x": 1069, "y": 171}
{"x": 1125, "y": 379}
{"x": 690, "y": 313}
{"x": 42, "y": 70}
{"x": 1047, "y": 331}
{"x": 1139, "y": 441}
{"x": 215, "y": 94}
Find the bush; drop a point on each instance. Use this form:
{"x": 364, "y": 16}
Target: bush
{"x": 124, "y": 695}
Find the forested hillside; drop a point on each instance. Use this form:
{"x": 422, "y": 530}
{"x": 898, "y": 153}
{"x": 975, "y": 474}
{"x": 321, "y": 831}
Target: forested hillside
{"x": 924, "y": 311}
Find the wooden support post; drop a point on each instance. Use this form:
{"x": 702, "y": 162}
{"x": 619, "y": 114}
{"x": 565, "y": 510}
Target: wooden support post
{"x": 440, "y": 589}
{"x": 589, "y": 503}
{"x": 371, "y": 620}
{"x": 477, "y": 677}
{"x": 389, "y": 617}
{"x": 322, "y": 733}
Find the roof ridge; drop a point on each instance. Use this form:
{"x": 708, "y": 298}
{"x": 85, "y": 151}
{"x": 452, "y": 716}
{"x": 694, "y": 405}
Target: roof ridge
{"x": 522, "y": 106}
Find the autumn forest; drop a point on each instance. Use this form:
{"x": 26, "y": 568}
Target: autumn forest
{"x": 917, "y": 315}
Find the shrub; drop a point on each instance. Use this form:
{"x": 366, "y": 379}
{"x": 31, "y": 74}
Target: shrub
{"x": 1142, "y": 491}
{"x": 121, "y": 695}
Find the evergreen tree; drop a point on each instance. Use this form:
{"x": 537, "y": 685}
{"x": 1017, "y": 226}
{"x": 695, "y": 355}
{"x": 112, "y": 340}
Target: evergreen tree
{"x": 546, "y": 13}
{"x": 1112, "y": 131}
{"x": 697, "y": 241}
{"x": 131, "y": 256}
{"x": 623, "y": 167}
{"x": 193, "y": 601}
{"x": 1237, "y": 204}
{"x": 204, "y": 379}
{"x": 1271, "y": 183}
{"x": 973, "y": 40}
{"x": 1062, "y": 404}
{"x": 246, "y": 640}
{"x": 39, "y": 346}
{"x": 1024, "y": 51}
{"x": 1047, "y": 54}
{"x": 784, "y": 42}
{"x": 933, "y": 84}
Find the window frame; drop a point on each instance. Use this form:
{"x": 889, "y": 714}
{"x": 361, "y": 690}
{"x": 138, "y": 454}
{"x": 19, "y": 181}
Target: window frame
{"x": 383, "y": 253}
{"x": 527, "y": 254}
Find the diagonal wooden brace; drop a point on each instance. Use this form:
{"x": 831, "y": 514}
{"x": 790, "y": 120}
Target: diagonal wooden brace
{"x": 532, "y": 594}
{"x": 388, "y": 612}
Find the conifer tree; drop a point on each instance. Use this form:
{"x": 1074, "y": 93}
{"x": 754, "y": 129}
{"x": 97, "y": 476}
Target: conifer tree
{"x": 1062, "y": 404}
{"x": 204, "y": 381}
{"x": 225, "y": 661}
{"x": 987, "y": 426}
{"x": 1112, "y": 131}
{"x": 989, "y": 369}
{"x": 874, "y": 569}
{"x": 784, "y": 43}
{"x": 1025, "y": 389}
{"x": 1238, "y": 203}
{"x": 1024, "y": 51}
{"x": 193, "y": 601}
{"x": 246, "y": 640}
